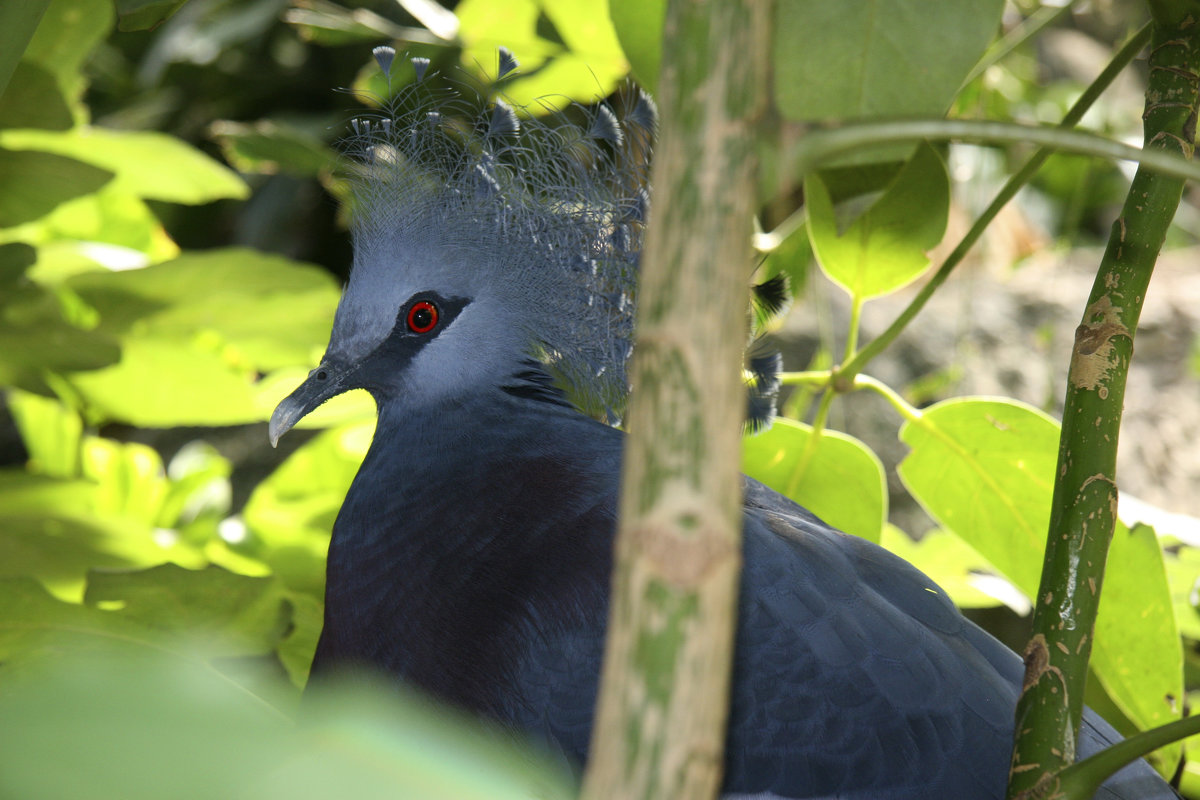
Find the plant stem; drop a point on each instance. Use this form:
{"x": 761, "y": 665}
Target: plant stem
{"x": 1085, "y": 492}
{"x": 660, "y": 722}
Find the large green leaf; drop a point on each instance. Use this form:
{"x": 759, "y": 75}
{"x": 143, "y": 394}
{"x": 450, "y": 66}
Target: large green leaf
{"x": 837, "y": 477}
{"x": 268, "y": 147}
{"x": 236, "y": 615}
{"x": 33, "y": 184}
{"x": 984, "y": 469}
{"x": 146, "y": 726}
{"x": 839, "y": 60}
{"x": 66, "y": 36}
{"x": 33, "y": 100}
{"x": 35, "y": 336}
{"x": 885, "y": 247}
{"x": 146, "y": 164}
{"x": 275, "y": 312}
{"x": 140, "y": 15}
{"x": 1137, "y": 653}
{"x": 51, "y": 432}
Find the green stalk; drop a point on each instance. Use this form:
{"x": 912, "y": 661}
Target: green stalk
{"x": 1085, "y": 493}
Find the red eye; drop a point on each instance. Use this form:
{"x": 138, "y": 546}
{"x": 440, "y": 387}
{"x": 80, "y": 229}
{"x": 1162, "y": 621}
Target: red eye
{"x": 422, "y": 317}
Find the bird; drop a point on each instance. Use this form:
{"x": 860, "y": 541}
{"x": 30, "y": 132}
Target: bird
{"x": 489, "y": 312}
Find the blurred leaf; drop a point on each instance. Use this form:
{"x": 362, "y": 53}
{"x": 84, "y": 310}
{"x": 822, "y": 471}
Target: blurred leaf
{"x": 149, "y": 726}
{"x": 885, "y": 247}
{"x": 49, "y": 531}
{"x": 291, "y": 513}
{"x": 18, "y": 21}
{"x": 1137, "y": 653}
{"x": 35, "y": 337}
{"x": 177, "y": 383}
{"x": 273, "y": 311}
{"x": 129, "y": 477}
{"x": 141, "y": 15}
{"x": 146, "y": 164}
{"x": 33, "y": 100}
{"x": 267, "y": 147}
{"x": 103, "y": 217}
{"x": 583, "y": 61}
{"x": 840, "y": 480}
{"x": 69, "y": 31}
{"x": 833, "y": 61}
{"x": 51, "y": 433}
{"x": 234, "y": 615}
{"x": 639, "y": 27}
{"x": 329, "y": 24}
{"x": 32, "y": 184}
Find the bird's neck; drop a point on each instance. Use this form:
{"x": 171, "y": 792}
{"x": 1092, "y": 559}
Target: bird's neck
{"x": 446, "y": 526}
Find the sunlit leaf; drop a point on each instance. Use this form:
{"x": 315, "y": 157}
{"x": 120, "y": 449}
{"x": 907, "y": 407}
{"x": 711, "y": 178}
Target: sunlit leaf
{"x": 145, "y": 164}
{"x": 839, "y": 479}
{"x": 984, "y": 469}
{"x": 588, "y": 66}
{"x": 885, "y": 247}
{"x": 1137, "y": 653}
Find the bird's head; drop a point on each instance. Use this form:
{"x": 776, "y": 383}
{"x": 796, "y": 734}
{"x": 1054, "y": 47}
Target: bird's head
{"x": 484, "y": 237}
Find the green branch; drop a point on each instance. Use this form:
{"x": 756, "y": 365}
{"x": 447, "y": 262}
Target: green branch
{"x": 1085, "y": 493}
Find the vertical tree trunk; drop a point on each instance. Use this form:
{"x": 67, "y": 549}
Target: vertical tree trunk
{"x": 660, "y": 725}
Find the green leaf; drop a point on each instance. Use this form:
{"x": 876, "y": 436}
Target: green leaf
{"x": 983, "y": 468}
{"x": 33, "y": 100}
{"x": 583, "y": 61}
{"x": 290, "y": 514}
{"x": 18, "y": 22}
{"x": 639, "y": 27}
{"x": 49, "y": 530}
{"x": 1183, "y": 572}
{"x": 103, "y": 217}
{"x": 268, "y": 147}
{"x": 233, "y": 615}
{"x": 839, "y": 479}
{"x": 885, "y": 247}
{"x": 65, "y": 38}
{"x": 1137, "y": 653}
{"x": 146, "y": 164}
{"x": 33, "y": 184}
{"x": 51, "y": 433}
{"x": 176, "y": 383}
{"x": 144, "y": 15}
{"x": 144, "y": 726}
{"x": 35, "y": 336}
{"x": 838, "y": 60}
{"x": 272, "y": 311}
